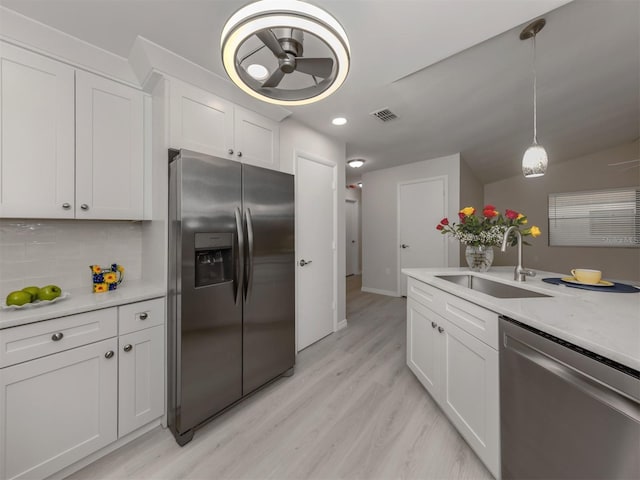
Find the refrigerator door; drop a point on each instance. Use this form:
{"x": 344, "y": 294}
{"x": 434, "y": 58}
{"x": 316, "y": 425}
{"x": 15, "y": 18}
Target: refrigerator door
{"x": 269, "y": 294}
{"x": 205, "y": 288}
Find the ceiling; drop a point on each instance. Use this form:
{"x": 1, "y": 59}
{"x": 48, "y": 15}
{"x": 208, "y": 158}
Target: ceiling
{"x": 454, "y": 71}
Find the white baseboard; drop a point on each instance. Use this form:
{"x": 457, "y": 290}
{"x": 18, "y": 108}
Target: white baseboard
{"x": 388, "y": 293}
{"x": 341, "y": 324}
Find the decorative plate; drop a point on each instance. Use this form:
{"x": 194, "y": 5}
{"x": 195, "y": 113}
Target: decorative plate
{"x": 601, "y": 283}
{"x": 36, "y": 303}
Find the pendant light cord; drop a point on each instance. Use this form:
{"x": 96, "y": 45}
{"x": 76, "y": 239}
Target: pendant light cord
{"x": 535, "y": 98}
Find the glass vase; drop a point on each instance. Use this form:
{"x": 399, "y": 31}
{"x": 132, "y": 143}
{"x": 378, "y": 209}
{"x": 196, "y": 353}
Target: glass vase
{"x": 479, "y": 257}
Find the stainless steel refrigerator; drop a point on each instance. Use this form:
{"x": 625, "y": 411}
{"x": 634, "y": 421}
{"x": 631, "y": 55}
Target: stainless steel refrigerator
{"x": 231, "y": 286}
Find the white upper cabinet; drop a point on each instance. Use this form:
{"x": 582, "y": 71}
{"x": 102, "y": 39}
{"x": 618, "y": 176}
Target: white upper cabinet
{"x": 205, "y": 123}
{"x": 71, "y": 143}
{"x": 36, "y": 135}
{"x": 109, "y": 149}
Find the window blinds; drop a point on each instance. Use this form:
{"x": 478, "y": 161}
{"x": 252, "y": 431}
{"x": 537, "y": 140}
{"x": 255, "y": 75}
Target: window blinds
{"x": 600, "y": 218}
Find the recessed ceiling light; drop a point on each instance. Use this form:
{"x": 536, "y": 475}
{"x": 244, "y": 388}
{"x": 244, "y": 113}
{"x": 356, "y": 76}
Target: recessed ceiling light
{"x": 355, "y": 163}
{"x": 339, "y": 121}
{"x": 360, "y": 184}
{"x": 257, "y": 71}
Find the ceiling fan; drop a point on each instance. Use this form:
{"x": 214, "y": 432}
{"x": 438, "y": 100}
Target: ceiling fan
{"x": 287, "y": 47}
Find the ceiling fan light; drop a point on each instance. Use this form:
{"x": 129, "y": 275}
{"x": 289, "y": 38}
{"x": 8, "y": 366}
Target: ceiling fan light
{"x": 534, "y": 161}
{"x": 355, "y": 163}
{"x": 275, "y": 14}
{"x": 257, "y": 71}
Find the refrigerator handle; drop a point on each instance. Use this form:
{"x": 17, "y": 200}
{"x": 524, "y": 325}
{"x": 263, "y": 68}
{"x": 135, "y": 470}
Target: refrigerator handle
{"x": 239, "y": 270}
{"x": 249, "y": 282}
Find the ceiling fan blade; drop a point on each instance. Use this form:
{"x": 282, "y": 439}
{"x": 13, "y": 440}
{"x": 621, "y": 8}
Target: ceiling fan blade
{"x": 318, "y": 67}
{"x": 271, "y": 41}
{"x": 274, "y": 79}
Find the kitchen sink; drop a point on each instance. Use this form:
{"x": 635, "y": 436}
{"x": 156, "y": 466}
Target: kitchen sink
{"x": 489, "y": 287}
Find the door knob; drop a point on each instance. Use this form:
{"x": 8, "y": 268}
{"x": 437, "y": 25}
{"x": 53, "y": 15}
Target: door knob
{"x": 303, "y": 262}
{"x": 66, "y": 206}
{"x": 84, "y": 206}
{"x": 353, "y": 241}
{"x": 239, "y": 154}
{"x": 109, "y": 354}
{"x": 404, "y": 245}
{"x": 434, "y": 324}
{"x": 230, "y": 151}
{"x": 127, "y": 347}
{"x": 440, "y": 329}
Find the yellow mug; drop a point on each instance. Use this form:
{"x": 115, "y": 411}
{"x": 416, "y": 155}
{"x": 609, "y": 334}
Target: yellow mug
{"x": 584, "y": 275}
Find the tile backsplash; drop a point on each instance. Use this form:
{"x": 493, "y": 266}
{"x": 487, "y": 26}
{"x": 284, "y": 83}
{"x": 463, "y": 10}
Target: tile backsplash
{"x": 42, "y": 252}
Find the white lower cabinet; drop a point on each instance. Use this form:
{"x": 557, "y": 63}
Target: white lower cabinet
{"x": 459, "y": 371}
{"x": 57, "y": 409}
{"x": 70, "y": 386}
{"x": 140, "y": 379}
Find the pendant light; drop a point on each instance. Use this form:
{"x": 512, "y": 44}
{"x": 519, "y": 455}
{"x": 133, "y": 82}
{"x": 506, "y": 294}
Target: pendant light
{"x": 535, "y": 160}
{"x": 270, "y": 37}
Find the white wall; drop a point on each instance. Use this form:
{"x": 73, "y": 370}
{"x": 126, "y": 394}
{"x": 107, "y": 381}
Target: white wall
{"x": 379, "y": 217}
{"x": 530, "y": 196}
{"x": 296, "y": 137}
{"x": 471, "y": 195}
{"x": 59, "y": 252}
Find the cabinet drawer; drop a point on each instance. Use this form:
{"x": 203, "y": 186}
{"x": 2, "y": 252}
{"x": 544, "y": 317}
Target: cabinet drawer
{"x": 423, "y": 293}
{"x": 478, "y": 321}
{"x": 27, "y": 342}
{"x": 140, "y": 315}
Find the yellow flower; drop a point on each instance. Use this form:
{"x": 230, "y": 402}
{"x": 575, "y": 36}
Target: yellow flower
{"x": 110, "y": 277}
{"x": 96, "y": 269}
{"x": 467, "y": 211}
{"x": 120, "y": 268}
{"x": 535, "y": 231}
{"x": 522, "y": 219}
{"x": 99, "y": 287}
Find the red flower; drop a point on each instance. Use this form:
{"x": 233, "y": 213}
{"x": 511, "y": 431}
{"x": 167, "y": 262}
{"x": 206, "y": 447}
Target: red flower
{"x": 511, "y": 214}
{"x": 462, "y": 216}
{"x": 444, "y": 221}
{"x": 439, "y": 227}
{"x": 489, "y": 211}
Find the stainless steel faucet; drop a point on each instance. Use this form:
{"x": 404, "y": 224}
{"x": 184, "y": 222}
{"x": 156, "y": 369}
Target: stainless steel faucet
{"x": 520, "y": 273}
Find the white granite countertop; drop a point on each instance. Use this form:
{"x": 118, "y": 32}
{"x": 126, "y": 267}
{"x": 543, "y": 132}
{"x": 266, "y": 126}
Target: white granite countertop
{"x": 81, "y": 300}
{"x": 604, "y": 322}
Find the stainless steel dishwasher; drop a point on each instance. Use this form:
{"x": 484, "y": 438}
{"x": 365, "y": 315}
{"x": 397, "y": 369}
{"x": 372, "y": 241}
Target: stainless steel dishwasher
{"x": 565, "y": 412}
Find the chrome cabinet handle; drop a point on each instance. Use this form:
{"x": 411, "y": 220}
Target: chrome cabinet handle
{"x": 434, "y": 324}
{"x": 109, "y": 354}
{"x": 303, "y": 262}
{"x": 143, "y": 316}
{"x": 239, "y": 154}
{"x": 404, "y": 245}
{"x": 440, "y": 329}
{"x": 128, "y": 347}
{"x": 84, "y": 206}
{"x": 230, "y": 151}
{"x": 66, "y": 206}
{"x": 57, "y": 336}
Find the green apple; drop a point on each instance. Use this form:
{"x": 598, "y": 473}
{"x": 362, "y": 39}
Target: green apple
{"x": 49, "y": 292}
{"x": 18, "y": 298}
{"x": 33, "y": 291}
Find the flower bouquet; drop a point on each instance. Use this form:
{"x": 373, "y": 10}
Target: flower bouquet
{"x": 480, "y": 233}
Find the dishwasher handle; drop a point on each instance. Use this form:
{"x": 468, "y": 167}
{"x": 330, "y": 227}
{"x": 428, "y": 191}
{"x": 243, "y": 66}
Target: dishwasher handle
{"x": 586, "y": 384}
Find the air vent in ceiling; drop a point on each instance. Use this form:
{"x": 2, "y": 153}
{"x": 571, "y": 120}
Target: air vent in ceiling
{"x": 384, "y": 115}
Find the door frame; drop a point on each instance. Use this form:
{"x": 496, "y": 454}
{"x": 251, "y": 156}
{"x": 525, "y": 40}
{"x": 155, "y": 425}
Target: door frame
{"x": 444, "y": 179}
{"x": 297, "y": 154}
{"x": 356, "y": 203}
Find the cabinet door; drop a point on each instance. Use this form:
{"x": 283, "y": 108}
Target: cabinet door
{"x": 470, "y": 392}
{"x": 200, "y": 121}
{"x": 57, "y": 409}
{"x": 109, "y": 149}
{"x": 257, "y": 139}
{"x": 423, "y": 346}
{"x": 141, "y": 379}
{"x": 36, "y": 136}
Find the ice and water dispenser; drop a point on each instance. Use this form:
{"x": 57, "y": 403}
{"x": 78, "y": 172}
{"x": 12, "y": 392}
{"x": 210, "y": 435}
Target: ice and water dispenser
{"x": 214, "y": 258}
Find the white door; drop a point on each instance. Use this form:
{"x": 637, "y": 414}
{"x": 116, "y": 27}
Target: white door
{"x": 141, "y": 378}
{"x": 109, "y": 149}
{"x": 58, "y": 409}
{"x": 315, "y": 250}
{"x": 352, "y": 231}
{"x": 424, "y": 346}
{"x": 37, "y": 149}
{"x": 421, "y": 206}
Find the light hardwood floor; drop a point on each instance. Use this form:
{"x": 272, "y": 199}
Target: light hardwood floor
{"x": 353, "y": 410}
